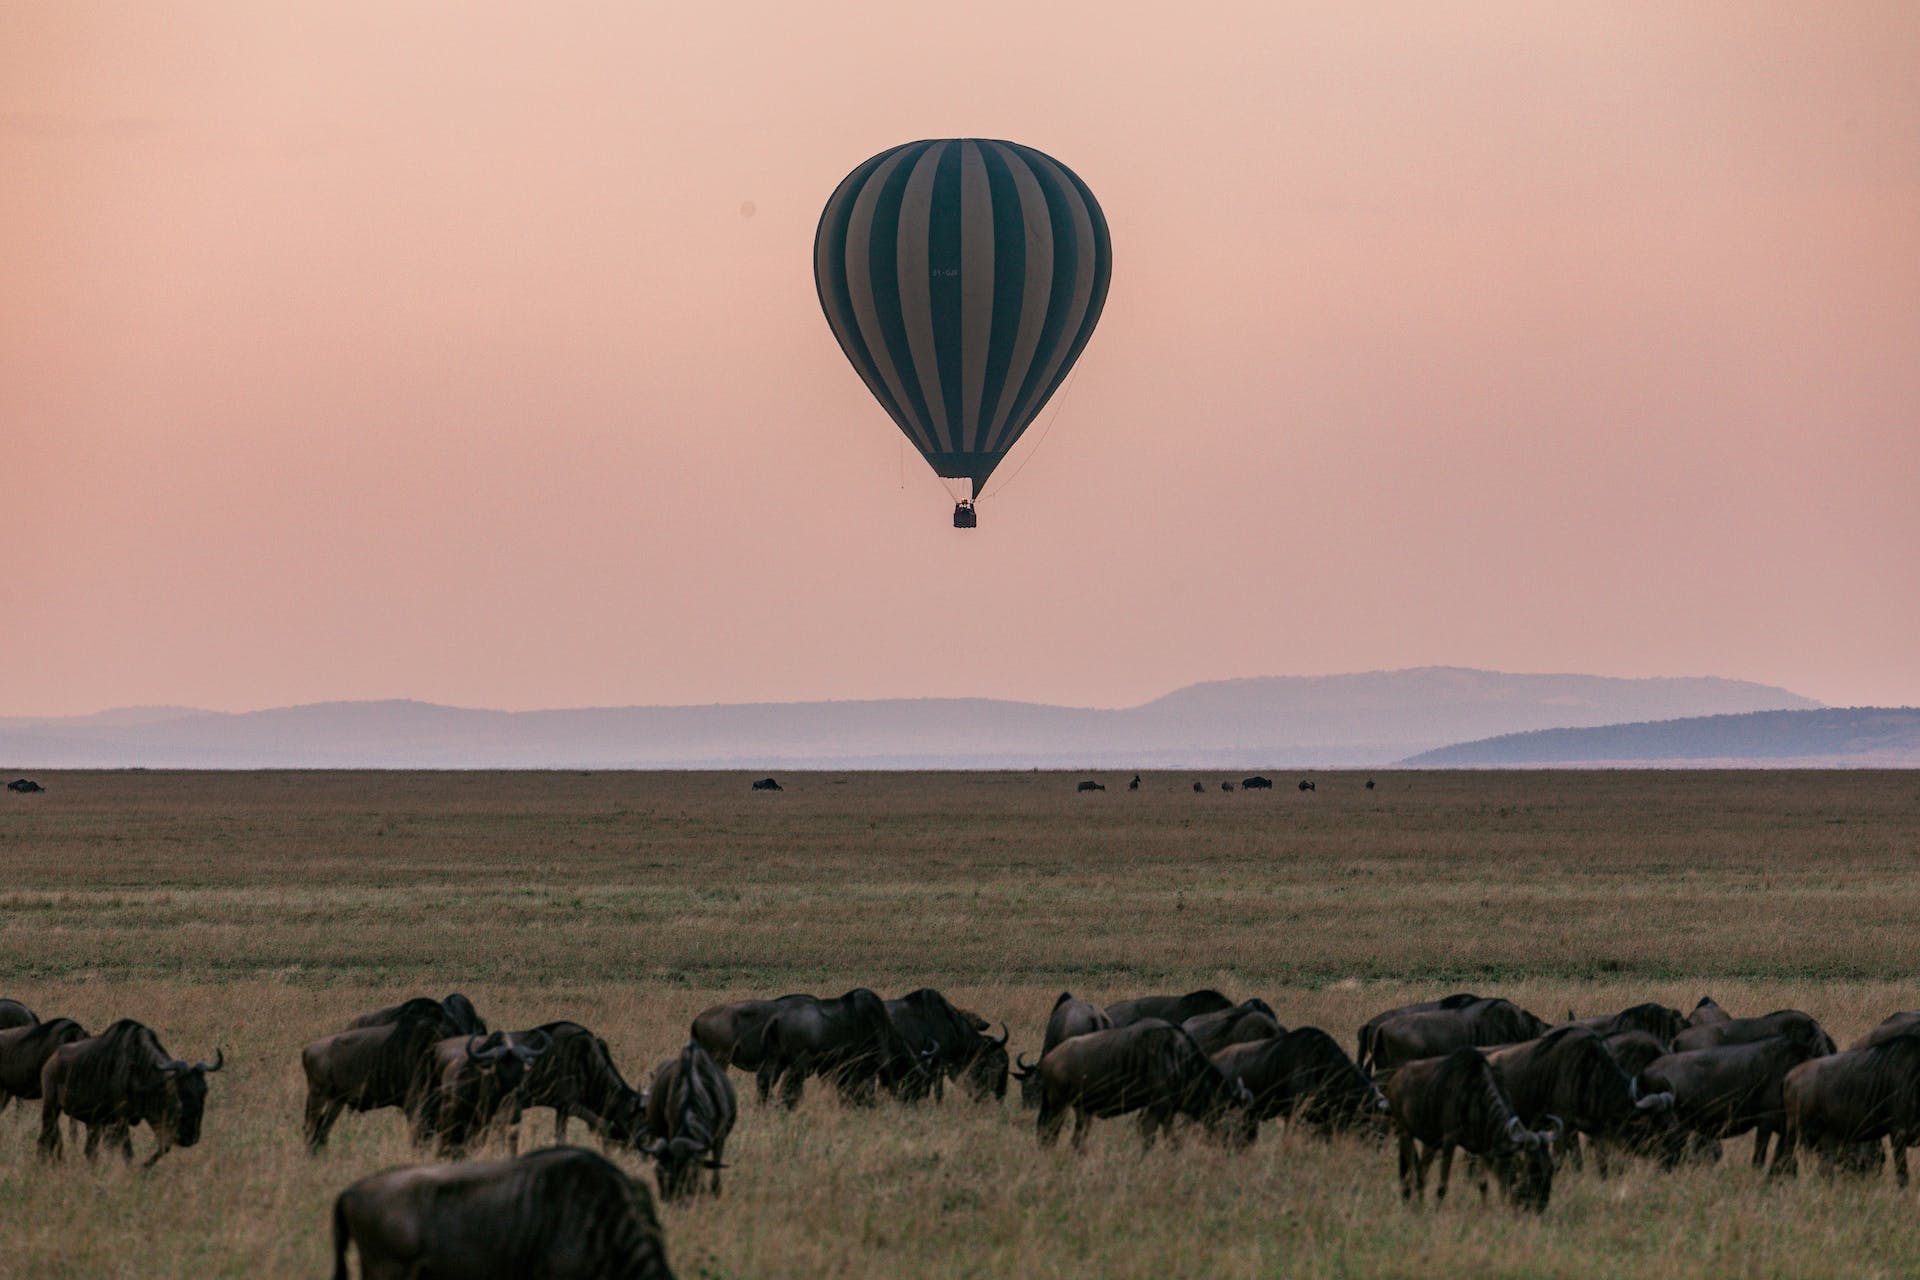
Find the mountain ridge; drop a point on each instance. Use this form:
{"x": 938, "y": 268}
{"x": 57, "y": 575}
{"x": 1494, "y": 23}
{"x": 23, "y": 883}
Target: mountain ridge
{"x": 1823, "y": 737}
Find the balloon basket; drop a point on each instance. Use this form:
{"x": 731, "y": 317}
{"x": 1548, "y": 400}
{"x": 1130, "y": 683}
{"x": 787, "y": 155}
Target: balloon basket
{"x": 964, "y": 516}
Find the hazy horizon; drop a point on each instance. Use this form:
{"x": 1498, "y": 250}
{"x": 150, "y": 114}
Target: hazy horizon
{"x": 471, "y": 354}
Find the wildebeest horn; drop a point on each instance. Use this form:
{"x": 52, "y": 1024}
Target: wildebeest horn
{"x": 498, "y": 1050}
{"x": 1516, "y": 1132}
{"x": 1654, "y": 1102}
{"x": 1556, "y": 1130}
{"x": 933, "y": 1047}
{"x": 219, "y": 1061}
{"x": 1020, "y": 1062}
{"x": 528, "y": 1049}
{"x": 1005, "y": 1035}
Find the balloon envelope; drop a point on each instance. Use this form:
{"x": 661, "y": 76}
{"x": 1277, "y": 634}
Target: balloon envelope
{"x": 962, "y": 277}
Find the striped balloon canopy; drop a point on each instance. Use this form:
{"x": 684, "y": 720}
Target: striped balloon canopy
{"x": 962, "y": 277}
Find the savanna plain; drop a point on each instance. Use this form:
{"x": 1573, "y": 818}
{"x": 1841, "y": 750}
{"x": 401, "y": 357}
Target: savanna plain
{"x": 257, "y": 911}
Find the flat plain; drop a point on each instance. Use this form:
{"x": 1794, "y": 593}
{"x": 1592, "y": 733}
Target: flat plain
{"x": 258, "y": 911}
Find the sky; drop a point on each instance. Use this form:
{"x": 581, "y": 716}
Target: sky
{"x": 470, "y": 352}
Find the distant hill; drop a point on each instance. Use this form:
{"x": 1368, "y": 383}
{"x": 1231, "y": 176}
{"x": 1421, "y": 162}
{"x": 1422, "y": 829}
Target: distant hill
{"x": 1282, "y": 721}
{"x": 1880, "y": 737}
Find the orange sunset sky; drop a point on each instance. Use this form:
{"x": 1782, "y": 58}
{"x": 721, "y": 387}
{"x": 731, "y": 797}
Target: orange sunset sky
{"x": 470, "y": 352}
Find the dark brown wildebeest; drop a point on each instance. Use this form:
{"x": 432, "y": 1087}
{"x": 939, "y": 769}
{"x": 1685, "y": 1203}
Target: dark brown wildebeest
{"x": 1090, "y": 785}
{"x": 575, "y": 1076}
{"x": 734, "y": 1033}
{"x": 1135, "y": 784}
{"x": 690, "y": 1112}
{"x": 767, "y": 784}
{"x": 961, "y": 1052}
{"x": 1174, "y": 1009}
{"x": 15, "y": 1014}
{"x": 1363, "y": 1052}
{"x": 24, "y": 785}
{"x": 1244, "y": 1023}
{"x": 1707, "y": 1013}
{"x": 1898, "y": 1024}
{"x": 461, "y": 1017}
{"x": 24, "y": 1051}
{"x": 1256, "y": 783}
{"x": 1303, "y": 1077}
{"x": 1438, "y": 1104}
{"x": 1724, "y": 1091}
{"x": 1369, "y": 784}
{"x": 1226, "y": 786}
{"x": 1568, "y": 1075}
{"x": 1071, "y": 1017}
{"x": 849, "y": 1040}
{"x": 370, "y": 1068}
{"x": 1791, "y": 1023}
{"x": 1633, "y": 1050}
{"x": 1306, "y": 785}
{"x": 1436, "y": 1032}
{"x": 476, "y": 1080}
{"x": 1841, "y": 1106}
{"x": 1152, "y": 1067}
{"x": 1199, "y": 786}
{"x": 560, "y": 1213}
{"x": 1657, "y": 1020}
{"x": 122, "y": 1078}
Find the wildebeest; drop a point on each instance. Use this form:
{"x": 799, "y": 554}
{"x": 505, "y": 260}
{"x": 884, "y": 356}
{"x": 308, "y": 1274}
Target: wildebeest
{"x": 1174, "y": 1009}
{"x": 1456, "y": 1101}
{"x": 561, "y": 1213}
{"x": 1898, "y": 1024}
{"x": 575, "y": 1076}
{"x": 690, "y": 1112}
{"x": 1256, "y": 783}
{"x": 925, "y": 1017}
{"x": 1226, "y": 786}
{"x": 1803, "y": 1028}
{"x": 1090, "y": 785}
{"x": 369, "y": 1068}
{"x": 767, "y": 784}
{"x": 1150, "y": 1066}
{"x": 122, "y": 1078}
{"x": 1135, "y": 784}
{"x": 1305, "y": 785}
{"x": 1633, "y": 1050}
{"x": 1245, "y": 1022}
{"x": 461, "y": 1018}
{"x": 24, "y": 1051}
{"x": 1569, "y": 1075}
{"x": 1724, "y": 1091}
{"x": 476, "y": 1080}
{"x": 1433, "y": 1032}
{"x": 1363, "y": 1051}
{"x": 15, "y": 1014}
{"x": 1071, "y": 1017}
{"x": 735, "y": 1033}
{"x": 849, "y": 1040}
{"x": 1657, "y": 1020}
{"x": 1848, "y": 1100}
{"x": 1369, "y": 784}
{"x": 1706, "y": 1013}
{"x": 1199, "y": 786}
{"x": 1304, "y": 1077}
{"x": 24, "y": 785}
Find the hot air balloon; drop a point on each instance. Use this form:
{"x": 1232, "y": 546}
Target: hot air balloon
{"x": 962, "y": 277}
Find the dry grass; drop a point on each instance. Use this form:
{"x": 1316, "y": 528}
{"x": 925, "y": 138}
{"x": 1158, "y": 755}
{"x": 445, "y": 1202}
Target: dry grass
{"x": 258, "y": 911}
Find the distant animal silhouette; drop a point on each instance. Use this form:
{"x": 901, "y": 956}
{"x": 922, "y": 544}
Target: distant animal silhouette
{"x": 1226, "y": 786}
{"x": 1305, "y": 785}
{"x": 767, "y": 784}
{"x": 24, "y": 785}
{"x": 1369, "y": 784}
{"x": 1090, "y": 785}
{"x": 1256, "y": 783}
{"x": 1199, "y": 786}
{"x": 1135, "y": 784}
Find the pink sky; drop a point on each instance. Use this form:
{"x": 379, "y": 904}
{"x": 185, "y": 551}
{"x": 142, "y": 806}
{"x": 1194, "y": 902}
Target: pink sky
{"x": 405, "y": 350}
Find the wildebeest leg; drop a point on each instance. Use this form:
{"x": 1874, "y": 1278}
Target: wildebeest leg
{"x": 49, "y": 1127}
{"x": 560, "y": 1114}
{"x": 1785, "y": 1163}
{"x": 321, "y": 1115}
{"x": 122, "y": 1137}
{"x": 793, "y": 1083}
{"x": 1899, "y": 1159}
{"x": 1051, "y": 1120}
{"x": 1149, "y": 1128}
{"x": 95, "y": 1132}
{"x": 1446, "y": 1169}
{"x": 715, "y": 1155}
{"x": 1406, "y": 1166}
{"x": 161, "y": 1147}
{"x": 1080, "y": 1126}
{"x": 1577, "y": 1160}
{"x": 1761, "y": 1135}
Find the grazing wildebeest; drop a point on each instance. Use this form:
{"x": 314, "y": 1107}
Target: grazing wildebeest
{"x": 926, "y": 1017}
{"x": 560, "y": 1214}
{"x": 1724, "y": 1091}
{"x": 1456, "y": 1101}
{"x": 1791, "y": 1023}
{"x": 1657, "y": 1020}
{"x": 122, "y": 1078}
{"x": 1841, "y": 1103}
{"x": 690, "y": 1112}
{"x": 1633, "y": 1050}
{"x": 1226, "y": 786}
{"x": 368, "y": 1068}
{"x": 1706, "y": 1013}
{"x": 576, "y": 1077}
{"x": 1303, "y": 1077}
{"x": 1135, "y": 784}
{"x": 1199, "y": 786}
{"x": 1152, "y": 1067}
{"x": 24, "y": 1051}
{"x": 1256, "y": 783}
{"x": 1245, "y": 1022}
{"x": 15, "y": 1014}
{"x": 1363, "y": 1054}
{"x": 476, "y": 1082}
{"x": 1369, "y": 784}
{"x": 1306, "y": 785}
{"x": 1569, "y": 1074}
{"x": 24, "y": 785}
{"x": 1174, "y": 1009}
{"x": 1434, "y": 1032}
{"x": 849, "y": 1040}
{"x": 1898, "y": 1024}
{"x": 1071, "y": 1017}
{"x": 734, "y": 1033}
{"x": 1090, "y": 785}
{"x": 461, "y": 1017}
{"x": 767, "y": 784}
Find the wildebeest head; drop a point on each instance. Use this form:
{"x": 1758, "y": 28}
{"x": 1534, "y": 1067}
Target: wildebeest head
{"x": 1524, "y": 1160}
{"x": 505, "y": 1062}
{"x": 466, "y": 1019}
{"x": 183, "y": 1099}
{"x": 986, "y": 1075}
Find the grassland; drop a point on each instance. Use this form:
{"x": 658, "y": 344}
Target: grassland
{"x": 258, "y": 911}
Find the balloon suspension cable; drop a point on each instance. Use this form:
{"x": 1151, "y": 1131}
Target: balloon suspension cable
{"x": 1059, "y": 403}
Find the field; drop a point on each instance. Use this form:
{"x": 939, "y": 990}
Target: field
{"x": 260, "y": 911}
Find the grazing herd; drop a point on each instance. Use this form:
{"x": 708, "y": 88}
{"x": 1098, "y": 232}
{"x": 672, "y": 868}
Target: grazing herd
{"x": 1465, "y": 1074}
